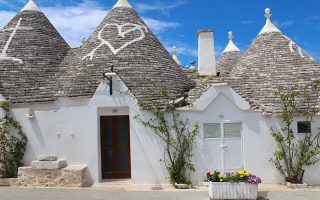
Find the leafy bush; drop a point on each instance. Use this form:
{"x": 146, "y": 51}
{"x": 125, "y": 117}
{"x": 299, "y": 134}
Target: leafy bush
{"x": 12, "y": 144}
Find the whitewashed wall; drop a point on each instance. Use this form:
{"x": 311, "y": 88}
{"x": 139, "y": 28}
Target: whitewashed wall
{"x": 258, "y": 145}
{"x": 70, "y": 129}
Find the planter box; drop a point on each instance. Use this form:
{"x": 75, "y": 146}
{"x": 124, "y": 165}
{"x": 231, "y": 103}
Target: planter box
{"x": 232, "y": 190}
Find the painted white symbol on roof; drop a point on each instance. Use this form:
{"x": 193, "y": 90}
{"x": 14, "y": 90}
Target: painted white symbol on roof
{"x": 3, "y": 54}
{"x": 134, "y": 27}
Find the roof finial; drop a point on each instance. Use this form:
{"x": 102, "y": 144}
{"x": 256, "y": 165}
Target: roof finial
{"x": 268, "y": 13}
{"x": 123, "y": 4}
{"x": 31, "y": 6}
{"x": 269, "y": 27}
{"x": 231, "y": 46}
{"x": 174, "y": 50}
{"x": 230, "y": 35}
{"x": 175, "y": 55}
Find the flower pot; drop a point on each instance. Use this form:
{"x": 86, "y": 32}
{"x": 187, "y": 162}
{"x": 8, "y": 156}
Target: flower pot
{"x": 225, "y": 190}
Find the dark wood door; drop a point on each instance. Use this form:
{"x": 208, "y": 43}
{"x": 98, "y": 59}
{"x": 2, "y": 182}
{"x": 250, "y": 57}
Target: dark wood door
{"x": 115, "y": 147}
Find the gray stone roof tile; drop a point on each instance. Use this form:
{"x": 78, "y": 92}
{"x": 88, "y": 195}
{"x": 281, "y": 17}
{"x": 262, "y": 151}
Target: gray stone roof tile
{"x": 31, "y": 51}
{"x": 273, "y": 60}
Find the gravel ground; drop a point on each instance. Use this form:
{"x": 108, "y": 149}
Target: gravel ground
{"x": 7, "y": 193}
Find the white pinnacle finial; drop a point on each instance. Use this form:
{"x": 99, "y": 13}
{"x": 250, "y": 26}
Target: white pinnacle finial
{"x": 122, "y": 3}
{"x": 174, "y": 50}
{"x": 230, "y": 36}
{"x": 175, "y": 55}
{"x": 269, "y": 27}
{"x": 231, "y": 46}
{"x": 31, "y": 6}
{"x": 268, "y": 13}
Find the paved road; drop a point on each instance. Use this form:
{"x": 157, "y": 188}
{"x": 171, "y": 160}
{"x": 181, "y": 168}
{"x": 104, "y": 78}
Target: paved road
{"x": 120, "y": 194}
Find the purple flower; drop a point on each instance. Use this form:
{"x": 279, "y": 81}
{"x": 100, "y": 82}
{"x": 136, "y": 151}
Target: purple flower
{"x": 253, "y": 180}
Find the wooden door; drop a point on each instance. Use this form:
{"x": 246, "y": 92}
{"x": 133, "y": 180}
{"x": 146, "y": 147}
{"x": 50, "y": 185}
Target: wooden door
{"x": 115, "y": 147}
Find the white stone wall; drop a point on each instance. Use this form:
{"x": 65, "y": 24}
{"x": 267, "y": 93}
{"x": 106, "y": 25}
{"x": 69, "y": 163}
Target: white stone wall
{"x": 70, "y": 130}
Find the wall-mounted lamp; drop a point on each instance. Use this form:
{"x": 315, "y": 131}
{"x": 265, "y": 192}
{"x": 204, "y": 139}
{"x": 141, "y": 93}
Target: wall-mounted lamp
{"x": 108, "y": 76}
{"x": 30, "y": 114}
{"x": 221, "y": 115}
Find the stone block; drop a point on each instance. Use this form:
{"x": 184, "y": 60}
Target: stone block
{"x": 48, "y": 158}
{"x": 75, "y": 176}
{"x": 59, "y": 164}
{"x": 4, "y": 182}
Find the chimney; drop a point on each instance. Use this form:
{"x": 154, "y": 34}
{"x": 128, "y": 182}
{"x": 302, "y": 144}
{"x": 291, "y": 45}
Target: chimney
{"x": 206, "y": 55}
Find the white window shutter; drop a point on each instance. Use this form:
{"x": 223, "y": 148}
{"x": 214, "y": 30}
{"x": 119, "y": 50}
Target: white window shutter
{"x": 232, "y": 130}
{"x": 212, "y": 130}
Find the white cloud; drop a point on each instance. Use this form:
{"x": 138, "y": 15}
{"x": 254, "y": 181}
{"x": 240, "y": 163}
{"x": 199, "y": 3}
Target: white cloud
{"x": 5, "y": 17}
{"x": 163, "y": 7}
{"x": 248, "y": 22}
{"x": 76, "y": 22}
{"x": 79, "y": 21}
{"x": 158, "y": 26}
{"x": 283, "y": 24}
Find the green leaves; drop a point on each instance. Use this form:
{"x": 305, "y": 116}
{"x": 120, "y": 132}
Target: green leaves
{"x": 12, "y": 145}
{"x": 178, "y": 138}
{"x": 293, "y": 154}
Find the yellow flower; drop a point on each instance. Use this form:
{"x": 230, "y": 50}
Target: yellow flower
{"x": 221, "y": 180}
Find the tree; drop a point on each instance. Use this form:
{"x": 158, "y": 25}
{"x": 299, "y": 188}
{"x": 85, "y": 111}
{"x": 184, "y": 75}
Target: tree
{"x": 294, "y": 153}
{"x": 177, "y": 138}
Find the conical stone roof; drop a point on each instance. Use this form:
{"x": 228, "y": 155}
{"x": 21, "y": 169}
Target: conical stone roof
{"x": 229, "y": 57}
{"x": 30, "y": 52}
{"x": 125, "y": 42}
{"x": 273, "y": 60}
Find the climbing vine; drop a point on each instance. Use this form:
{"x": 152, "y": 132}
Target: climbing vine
{"x": 12, "y": 143}
{"x": 177, "y": 138}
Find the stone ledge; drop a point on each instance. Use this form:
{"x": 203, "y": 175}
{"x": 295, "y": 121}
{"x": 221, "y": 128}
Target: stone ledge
{"x": 48, "y": 158}
{"x": 59, "y": 164}
{"x": 4, "y": 182}
{"x": 296, "y": 186}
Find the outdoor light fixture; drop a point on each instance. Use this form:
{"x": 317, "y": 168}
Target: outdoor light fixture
{"x": 30, "y": 114}
{"x": 108, "y": 76}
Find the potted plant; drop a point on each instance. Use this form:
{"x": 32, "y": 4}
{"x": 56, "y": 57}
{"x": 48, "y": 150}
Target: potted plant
{"x": 238, "y": 185}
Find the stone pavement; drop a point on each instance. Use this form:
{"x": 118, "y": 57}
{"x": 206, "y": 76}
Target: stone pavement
{"x": 109, "y": 192}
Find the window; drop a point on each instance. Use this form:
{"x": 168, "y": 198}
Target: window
{"x": 212, "y": 130}
{"x": 304, "y": 127}
{"x": 232, "y": 130}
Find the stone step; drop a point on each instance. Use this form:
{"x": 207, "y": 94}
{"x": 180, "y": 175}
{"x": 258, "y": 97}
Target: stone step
{"x": 58, "y": 164}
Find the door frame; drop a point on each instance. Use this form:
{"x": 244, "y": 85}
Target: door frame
{"x": 114, "y": 140}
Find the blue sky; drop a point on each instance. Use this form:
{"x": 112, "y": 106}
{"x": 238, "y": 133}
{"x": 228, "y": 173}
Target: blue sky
{"x": 176, "y": 22}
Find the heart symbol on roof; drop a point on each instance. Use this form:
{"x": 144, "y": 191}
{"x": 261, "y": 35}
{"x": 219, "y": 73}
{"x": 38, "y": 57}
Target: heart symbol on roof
{"x": 123, "y": 30}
